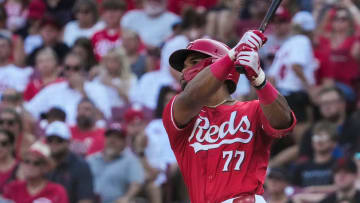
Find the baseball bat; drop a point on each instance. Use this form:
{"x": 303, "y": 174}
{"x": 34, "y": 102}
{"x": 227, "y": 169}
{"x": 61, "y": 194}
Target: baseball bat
{"x": 269, "y": 14}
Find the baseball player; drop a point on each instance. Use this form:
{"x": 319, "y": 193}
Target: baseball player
{"x": 222, "y": 145}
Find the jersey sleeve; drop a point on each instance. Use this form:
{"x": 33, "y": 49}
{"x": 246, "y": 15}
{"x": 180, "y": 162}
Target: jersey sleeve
{"x": 276, "y": 133}
{"x": 177, "y": 136}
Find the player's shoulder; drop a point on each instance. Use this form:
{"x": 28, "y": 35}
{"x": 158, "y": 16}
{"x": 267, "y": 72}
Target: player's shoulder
{"x": 248, "y": 104}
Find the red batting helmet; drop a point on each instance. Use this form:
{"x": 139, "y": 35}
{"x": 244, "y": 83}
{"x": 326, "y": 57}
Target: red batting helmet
{"x": 209, "y": 47}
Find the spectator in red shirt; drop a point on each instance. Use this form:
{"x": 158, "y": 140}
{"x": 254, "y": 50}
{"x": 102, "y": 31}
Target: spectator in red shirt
{"x": 47, "y": 67}
{"x": 87, "y": 138}
{"x": 36, "y": 188}
{"x": 8, "y": 163}
{"x": 110, "y": 37}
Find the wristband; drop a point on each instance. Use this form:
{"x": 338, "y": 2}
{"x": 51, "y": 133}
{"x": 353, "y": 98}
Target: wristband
{"x": 222, "y": 67}
{"x": 267, "y": 94}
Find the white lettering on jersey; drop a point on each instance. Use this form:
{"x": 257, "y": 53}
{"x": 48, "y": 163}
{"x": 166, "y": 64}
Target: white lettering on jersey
{"x": 204, "y": 132}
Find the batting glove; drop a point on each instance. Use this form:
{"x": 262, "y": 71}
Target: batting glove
{"x": 249, "y": 59}
{"x": 252, "y": 38}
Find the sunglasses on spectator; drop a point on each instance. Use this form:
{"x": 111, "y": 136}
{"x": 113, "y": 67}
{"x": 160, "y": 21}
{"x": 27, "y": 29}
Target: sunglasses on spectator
{"x": 73, "y": 68}
{"x": 34, "y": 163}
{"x": 54, "y": 139}
{"x": 8, "y": 122}
{"x": 4, "y": 143}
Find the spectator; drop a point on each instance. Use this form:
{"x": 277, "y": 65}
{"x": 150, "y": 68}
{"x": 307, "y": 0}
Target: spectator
{"x": 137, "y": 58}
{"x": 8, "y": 163}
{"x": 157, "y": 151}
{"x": 37, "y": 163}
{"x": 117, "y": 171}
{"x": 332, "y": 108}
{"x": 87, "y": 138}
{"x": 276, "y": 183}
{"x": 46, "y": 65}
{"x": 116, "y": 76}
{"x": 13, "y": 99}
{"x": 83, "y": 47}
{"x": 17, "y": 54}
{"x": 345, "y": 176}
{"x": 280, "y": 32}
{"x": 67, "y": 95}
{"x": 222, "y": 20}
{"x": 61, "y": 10}
{"x": 317, "y": 171}
{"x": 10, "y": 120}
{"x": 11, "y": 76}
{"x": 153, "y": 23}
{"x": 110, "y": 37}
{"x": 16, "y": 11}
{"x": 339, "y": 46}
{"x": 50, "y": 31}
{"x": 86, "y": 23}
{"x": 70, "y": 170}
{"x": 30, "y": 33}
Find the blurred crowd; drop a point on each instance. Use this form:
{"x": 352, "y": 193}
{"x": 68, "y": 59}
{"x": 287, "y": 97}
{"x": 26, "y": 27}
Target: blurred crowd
{"x": 83, "y": 85}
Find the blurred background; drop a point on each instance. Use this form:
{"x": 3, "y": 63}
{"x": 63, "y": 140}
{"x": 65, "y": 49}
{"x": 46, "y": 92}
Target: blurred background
{"x": 83, "y": 85}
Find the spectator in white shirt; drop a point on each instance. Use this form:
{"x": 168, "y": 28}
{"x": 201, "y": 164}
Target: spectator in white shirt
{"x": 66, "y": 95}
{"x": 86, "y": 23}
{"x": 11, "y": 76}
{"x": 153, "y": 23}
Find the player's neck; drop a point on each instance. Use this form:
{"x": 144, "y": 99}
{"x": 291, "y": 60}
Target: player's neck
{"x": 220, "y": 97}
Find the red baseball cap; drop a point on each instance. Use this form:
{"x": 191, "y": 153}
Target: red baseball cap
{"x": 282, "y": 14}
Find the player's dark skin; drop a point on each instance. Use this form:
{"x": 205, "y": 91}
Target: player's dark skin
{"x": 207, "y": 90}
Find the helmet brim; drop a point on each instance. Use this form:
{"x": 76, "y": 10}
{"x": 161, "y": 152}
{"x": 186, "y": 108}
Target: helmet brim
{"x": 177, "y": 59}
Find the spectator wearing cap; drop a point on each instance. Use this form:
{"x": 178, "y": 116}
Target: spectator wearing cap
{"x": 117, "y": 171}
{"x": 8, "y": 163}
{"x": 70, "y": 170}
{"x": 280, "y": 32}
{"x": 87, "y": 137}
{"x": 109, "y": 37}
{"x": 153, "y": 23}
{"x": 35, "y": 188}
{"x": 50, "y": 30}
{"x": 293, "y": 74}
{"x": 46, "y": 67}
{"x": 86, "y": 23}
{"x": 68, "y": 94}
{"x": 345, "y": 176}
{"x": 276, "y": 183}
{"x": 11, "y": 76}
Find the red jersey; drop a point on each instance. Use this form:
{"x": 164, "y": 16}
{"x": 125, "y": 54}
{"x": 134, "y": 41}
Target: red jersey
{"x": 339, "y": 64}
{"x": 86, "y": 143}
{"x": 224, "y": 151}
{"x": 51, "y": 193}
{"x": 103, "y": 41}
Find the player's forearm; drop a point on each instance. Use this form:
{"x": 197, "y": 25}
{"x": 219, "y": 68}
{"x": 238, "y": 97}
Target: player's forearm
{"x": 275, "y": 107}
